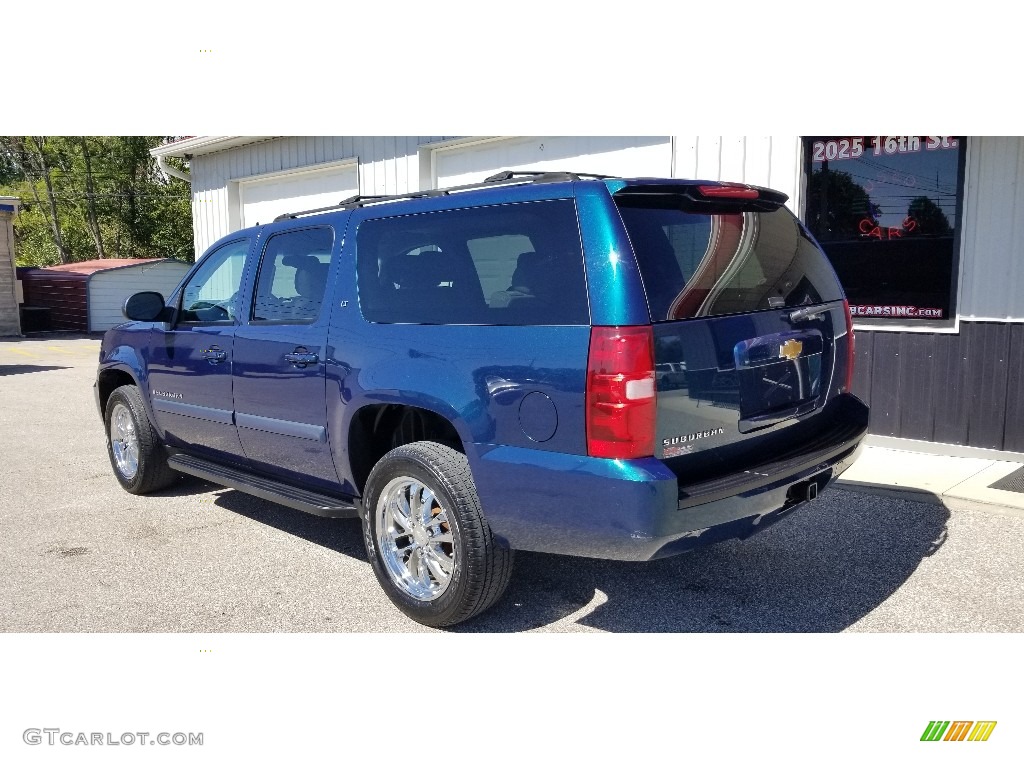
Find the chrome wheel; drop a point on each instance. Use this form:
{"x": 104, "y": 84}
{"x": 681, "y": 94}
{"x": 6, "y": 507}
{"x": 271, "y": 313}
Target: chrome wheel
{"x": 414, "y": 537}
{"x": 124, "y": 441}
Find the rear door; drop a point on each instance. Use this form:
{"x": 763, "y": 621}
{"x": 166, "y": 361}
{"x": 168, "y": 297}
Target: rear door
{"x": 750, "y": 327}
{"x": 280, "y": 355}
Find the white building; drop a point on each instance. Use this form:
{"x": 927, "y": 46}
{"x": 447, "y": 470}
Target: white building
{"x": 926, "y": 233}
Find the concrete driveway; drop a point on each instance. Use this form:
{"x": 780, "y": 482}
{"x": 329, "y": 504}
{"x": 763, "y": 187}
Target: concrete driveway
{"x": 80, "y": 555}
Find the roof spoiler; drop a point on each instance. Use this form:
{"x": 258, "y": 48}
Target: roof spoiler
{"x": 701, "y": 195}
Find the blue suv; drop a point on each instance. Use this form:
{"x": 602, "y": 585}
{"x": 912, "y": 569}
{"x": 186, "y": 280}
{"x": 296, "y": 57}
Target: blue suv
{"x": 555, "y": 362}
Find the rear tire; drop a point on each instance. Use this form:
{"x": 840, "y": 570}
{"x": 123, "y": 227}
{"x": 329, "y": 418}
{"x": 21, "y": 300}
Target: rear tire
{"x": 426, "y": 537}
{"x": 133, "y": 446}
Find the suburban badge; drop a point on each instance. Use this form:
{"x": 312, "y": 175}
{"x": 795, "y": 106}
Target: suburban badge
{"x": 681, "y": 444}
{"x": 168, "y": 395}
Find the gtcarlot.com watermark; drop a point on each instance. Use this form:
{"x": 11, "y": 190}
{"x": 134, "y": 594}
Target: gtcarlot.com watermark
{"x": 56, "y": 736}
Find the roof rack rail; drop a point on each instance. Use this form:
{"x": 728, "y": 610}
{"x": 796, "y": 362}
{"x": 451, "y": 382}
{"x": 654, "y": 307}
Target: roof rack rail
{"x": 545, "y": 176}
{"x": 505, "y": 177}
{"x": 349, "y": 202}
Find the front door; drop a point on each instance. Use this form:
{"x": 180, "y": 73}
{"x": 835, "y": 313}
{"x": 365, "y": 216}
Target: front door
{"x": 280, "y": 358}
{"x": 190, "y": 363}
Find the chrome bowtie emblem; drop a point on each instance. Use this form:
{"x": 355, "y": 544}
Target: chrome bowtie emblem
{"x": 791, "y": 349}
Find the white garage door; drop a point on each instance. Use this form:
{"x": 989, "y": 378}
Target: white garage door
{"x": 471, "y": 163}
{"x": 264, "y": 198}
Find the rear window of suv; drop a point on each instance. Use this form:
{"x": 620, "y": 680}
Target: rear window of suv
{"x": 512, "y": 264}
{"x": 720, "y": 262}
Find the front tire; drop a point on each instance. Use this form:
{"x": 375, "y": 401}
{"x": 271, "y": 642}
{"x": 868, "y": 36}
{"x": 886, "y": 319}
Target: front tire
{"x": 136, "y": 453}
{"x": 426, "y": 537}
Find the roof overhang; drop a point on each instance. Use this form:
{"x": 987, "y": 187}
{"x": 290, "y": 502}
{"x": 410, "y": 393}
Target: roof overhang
{"x": 203, "y": 145}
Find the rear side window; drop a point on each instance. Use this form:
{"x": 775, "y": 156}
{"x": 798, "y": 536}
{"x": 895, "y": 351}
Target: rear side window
{"x": 293, "y": 276}
{"x": 698, "y": 264}
{"x": 514, "y": 264}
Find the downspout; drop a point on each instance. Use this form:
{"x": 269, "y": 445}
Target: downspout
{"x": 168, "y": 170}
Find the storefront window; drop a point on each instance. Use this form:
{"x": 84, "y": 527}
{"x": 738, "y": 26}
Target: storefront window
{"x": 886, "y": 210}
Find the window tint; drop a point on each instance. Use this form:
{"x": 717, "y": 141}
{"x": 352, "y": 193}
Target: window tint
{"x": 211, "y": 294}
{"x": 293, "y": 276}
{"x": 709, "y": 263}
{"x": 515, "y": 264}
{"x": 496, "y": 259}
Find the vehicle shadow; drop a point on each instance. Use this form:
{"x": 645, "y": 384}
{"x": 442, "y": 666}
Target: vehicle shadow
{"x": 185, "y": 485}
{"x": 14, "y": 370}
{"x": 819, "y": 570}
{"x": 343, "y": 535}
{"x": 58, "y": 336}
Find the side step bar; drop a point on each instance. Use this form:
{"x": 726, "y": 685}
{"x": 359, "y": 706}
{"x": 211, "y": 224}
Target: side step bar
{"x": 271, "y": 490}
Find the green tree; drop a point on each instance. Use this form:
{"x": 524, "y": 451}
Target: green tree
{"x": 836, "y": 205}
{"x": 87, "y": 197}
{"x": 9, "y": 173}
{"x": 929, "y": 217}
{"x": 33, "y": 157}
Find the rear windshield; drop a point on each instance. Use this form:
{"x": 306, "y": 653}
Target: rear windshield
{"x": 698, "y": 264}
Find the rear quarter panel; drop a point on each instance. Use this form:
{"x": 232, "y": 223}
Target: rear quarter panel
{"x": 474, "y": 376}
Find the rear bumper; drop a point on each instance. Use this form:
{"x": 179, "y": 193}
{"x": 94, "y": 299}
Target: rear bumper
{"x": 637, "y": 510}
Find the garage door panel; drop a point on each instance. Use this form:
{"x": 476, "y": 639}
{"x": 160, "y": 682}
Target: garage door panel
{"x": 611, "y": 155}
{"x": 262, "y": 200}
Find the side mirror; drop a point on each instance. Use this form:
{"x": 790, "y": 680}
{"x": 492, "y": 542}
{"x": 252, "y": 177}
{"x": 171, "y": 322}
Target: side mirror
{"x": 146, "y": 306}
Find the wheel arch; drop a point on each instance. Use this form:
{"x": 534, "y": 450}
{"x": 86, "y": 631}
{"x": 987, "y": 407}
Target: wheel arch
{"x": 376, "y": 428}
{"x": 109, "y": 379}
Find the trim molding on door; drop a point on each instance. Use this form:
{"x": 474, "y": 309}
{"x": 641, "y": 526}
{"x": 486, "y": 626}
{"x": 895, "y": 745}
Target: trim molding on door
{"x": 282, "y": 427}
{"x": 217, "y": 415}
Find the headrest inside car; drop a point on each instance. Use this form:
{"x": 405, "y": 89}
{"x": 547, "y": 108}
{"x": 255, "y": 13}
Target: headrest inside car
{"x": 299, "y": 260}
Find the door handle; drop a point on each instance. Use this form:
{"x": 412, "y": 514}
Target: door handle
{"x": 302, "y": 359}
{"x": 215, "y": 355}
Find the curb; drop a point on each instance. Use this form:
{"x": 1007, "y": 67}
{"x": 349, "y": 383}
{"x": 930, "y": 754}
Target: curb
{"x": 926, "y": 497}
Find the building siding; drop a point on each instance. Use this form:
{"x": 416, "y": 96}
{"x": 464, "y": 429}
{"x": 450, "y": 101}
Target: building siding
{"x": 388, "y": 165}
{"x": 108, "y": 290}
{"x": 767, "y": 161}
{"x": 961, "y": 389}
{"x": 469, "y": 161}
{"x": 992, "y": 284}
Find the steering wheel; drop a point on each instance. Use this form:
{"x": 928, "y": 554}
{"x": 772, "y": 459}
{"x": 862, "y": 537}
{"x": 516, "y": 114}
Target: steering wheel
{"x": 221, "y": 310}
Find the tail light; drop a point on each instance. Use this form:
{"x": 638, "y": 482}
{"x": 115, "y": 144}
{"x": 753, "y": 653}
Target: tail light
{"x": 848, "y": 387}
{"x": 620, "y": 392}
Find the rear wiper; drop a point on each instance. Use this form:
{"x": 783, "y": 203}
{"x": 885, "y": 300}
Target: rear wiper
{"x": 805, "y": 313}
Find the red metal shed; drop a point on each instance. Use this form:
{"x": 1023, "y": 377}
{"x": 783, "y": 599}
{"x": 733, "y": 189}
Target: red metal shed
{"x": 77, "y": 302}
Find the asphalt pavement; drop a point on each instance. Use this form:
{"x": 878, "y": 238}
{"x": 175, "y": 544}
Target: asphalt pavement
{"x": 81, "y": 555}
